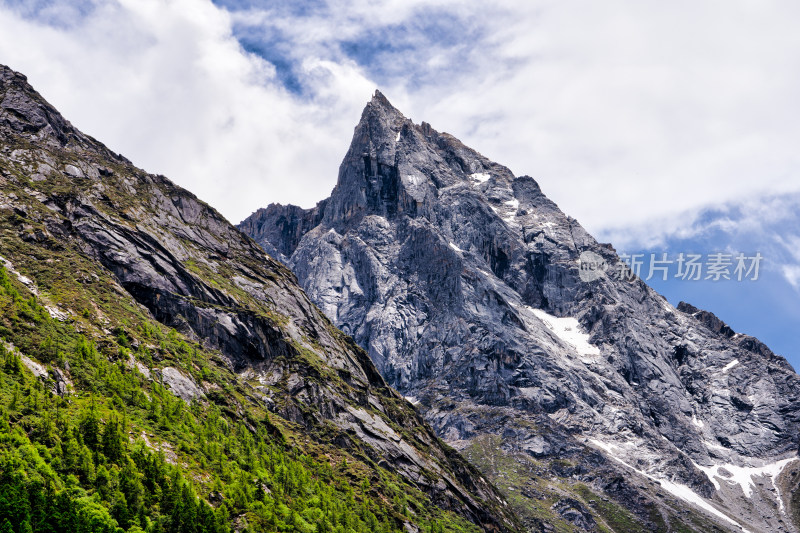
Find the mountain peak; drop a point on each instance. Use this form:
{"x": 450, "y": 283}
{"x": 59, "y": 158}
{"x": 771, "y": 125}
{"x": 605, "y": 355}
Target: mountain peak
{"x": 380, "y": 99}
{"x": 387, "y": 169}
{"x": 464, "y": 284}
{"x": 380, "y": 111}
{"x": 381, "y": 103}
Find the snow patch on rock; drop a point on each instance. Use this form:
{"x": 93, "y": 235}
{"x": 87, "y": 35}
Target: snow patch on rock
{"x": 676, "y": 489}
{"x": 729, "y": 366}
{"x": 480, "y": 177}
{"x": 507, "y": 215}
{"x": 688, "y": 495}
{"x": 743, "y": 476}
{"x": 568, "y": 330}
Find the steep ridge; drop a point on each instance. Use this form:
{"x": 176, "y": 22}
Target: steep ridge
{"x": 176, "y": 299}
{"x": 464, "y": 284}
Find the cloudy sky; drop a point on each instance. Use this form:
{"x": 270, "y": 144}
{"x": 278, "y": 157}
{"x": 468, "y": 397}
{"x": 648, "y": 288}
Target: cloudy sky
{"x": 661, "y": 126}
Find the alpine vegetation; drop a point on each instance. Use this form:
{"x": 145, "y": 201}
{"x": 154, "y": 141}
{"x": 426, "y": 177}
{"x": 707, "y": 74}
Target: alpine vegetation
{"x": 159, "y": 372}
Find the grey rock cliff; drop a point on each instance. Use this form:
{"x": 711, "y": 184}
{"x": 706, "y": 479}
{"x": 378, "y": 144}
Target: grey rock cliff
{"x": 462, "y": 282}
{"x": 168, "y": 254}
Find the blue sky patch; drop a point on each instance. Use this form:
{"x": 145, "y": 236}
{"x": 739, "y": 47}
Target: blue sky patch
{"x": 266, "y": 43}
{"x": 766, "y": 308}
{"x": 62, "y": 14}
{"x": 282, "y": 8}
{"x": 404, "y": 50}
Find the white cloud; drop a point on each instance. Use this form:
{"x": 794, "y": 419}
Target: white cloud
{"x": 792, "y": 275}
{"x": 166, "y": 83}
{"x": 791, "y": 246}
{"x": 768, "y": 217}
{"x": 629, "y": 114}
{"x": 765, "y": 224}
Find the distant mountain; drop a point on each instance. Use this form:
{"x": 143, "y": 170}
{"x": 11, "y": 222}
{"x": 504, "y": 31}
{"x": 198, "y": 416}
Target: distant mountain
{"x": 582, "y": 393}
{"x": 159, "y": 372}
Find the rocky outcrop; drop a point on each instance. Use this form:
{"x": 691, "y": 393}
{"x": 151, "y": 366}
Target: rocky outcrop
{"x": 746, "y": 342}
{"x": 168, "y": 255}
{"x": 181, "y": 385}
{"x": 574, "y": 512}
{"x": 710, "y": 320}
{"x": 24, "y": 112}
{"x": 281, "y": 224}
{"x": 464, "y": 284}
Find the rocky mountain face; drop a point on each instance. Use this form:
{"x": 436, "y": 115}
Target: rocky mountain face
{"x": 113, "y": 251}
{"x": 465, "y": 285}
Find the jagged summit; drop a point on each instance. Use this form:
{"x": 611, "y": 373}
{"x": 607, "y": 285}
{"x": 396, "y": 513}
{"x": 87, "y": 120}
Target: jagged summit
{"x": 463, "y": 283}
{"x": 380, "y": 100}
{"x": 380, "y": 122}
{"x": 394, "y": 166}
{"x": 715, "y": 324}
